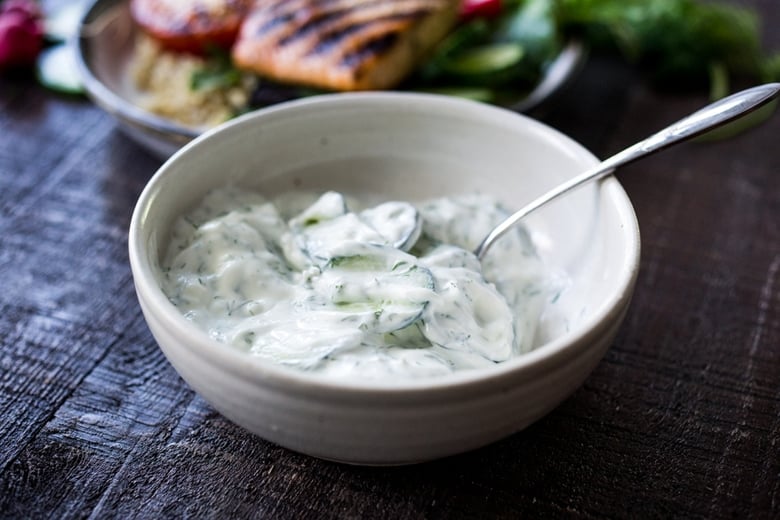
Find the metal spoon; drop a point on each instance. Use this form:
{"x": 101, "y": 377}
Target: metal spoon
{"x": 707, "y": 118}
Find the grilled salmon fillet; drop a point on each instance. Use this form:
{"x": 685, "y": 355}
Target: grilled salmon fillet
{"x": 341, "y": 44}
{"x": 191, "y": 25}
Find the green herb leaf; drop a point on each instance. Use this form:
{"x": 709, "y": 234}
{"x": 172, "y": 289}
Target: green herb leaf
{"x": 676, "y": 41}
{"x": 218, "y": 72}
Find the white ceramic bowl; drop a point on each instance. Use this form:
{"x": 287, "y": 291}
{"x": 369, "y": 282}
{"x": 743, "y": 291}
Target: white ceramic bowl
{"x": 412, "y": 147}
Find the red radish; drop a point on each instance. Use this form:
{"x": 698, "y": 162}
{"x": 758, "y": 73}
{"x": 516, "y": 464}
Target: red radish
{"x": 480, "y": 9}
{"x": 21, "y": 33}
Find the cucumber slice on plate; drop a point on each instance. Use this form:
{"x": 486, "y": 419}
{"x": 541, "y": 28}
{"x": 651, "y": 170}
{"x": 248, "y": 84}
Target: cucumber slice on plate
{"x": 486, "y": 59}
{"x": 57, "y": 70}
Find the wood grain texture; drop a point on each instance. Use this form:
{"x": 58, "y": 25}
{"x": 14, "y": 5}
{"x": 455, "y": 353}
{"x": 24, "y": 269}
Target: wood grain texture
{"x": 680, "y": 419}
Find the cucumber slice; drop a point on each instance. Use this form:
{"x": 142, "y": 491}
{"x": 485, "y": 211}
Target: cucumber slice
{"x": 398, "y": 222}
{"x": 321, "y": 228}
{"x": 378, "y": 288}
{"x": 329, "y": 206}
{"x": 321, "y": 225}
{"x": 324, "y": 240}
{"x": 408, "y": 337}
{"x": 56, "y": 69}
{"x": 486, "y": 59}
{"x": 380, "y": 319}
{"x": 468, "y": 314}
{"x": 358, "y": 262}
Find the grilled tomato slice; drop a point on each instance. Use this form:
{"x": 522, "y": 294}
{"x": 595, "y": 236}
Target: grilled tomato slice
{"x": 193, "y": 26}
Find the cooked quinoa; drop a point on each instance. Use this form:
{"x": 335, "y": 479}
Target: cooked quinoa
{"x": 163, "y": 80}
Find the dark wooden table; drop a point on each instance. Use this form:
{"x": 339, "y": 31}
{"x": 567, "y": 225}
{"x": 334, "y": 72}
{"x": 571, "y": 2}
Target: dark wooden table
{"x": 681, "y": 418}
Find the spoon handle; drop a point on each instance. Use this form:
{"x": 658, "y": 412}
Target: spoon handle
{"x": 709, "y": 117}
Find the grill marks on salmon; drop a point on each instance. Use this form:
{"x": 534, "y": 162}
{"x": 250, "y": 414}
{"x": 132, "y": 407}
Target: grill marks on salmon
{"x": 341, "y": 44}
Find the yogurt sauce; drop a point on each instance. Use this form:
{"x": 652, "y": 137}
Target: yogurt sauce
{"x": 391, "y": 291}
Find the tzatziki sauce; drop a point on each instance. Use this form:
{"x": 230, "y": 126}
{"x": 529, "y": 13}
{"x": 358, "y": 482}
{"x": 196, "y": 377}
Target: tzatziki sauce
{"x": 318, "y": 283}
